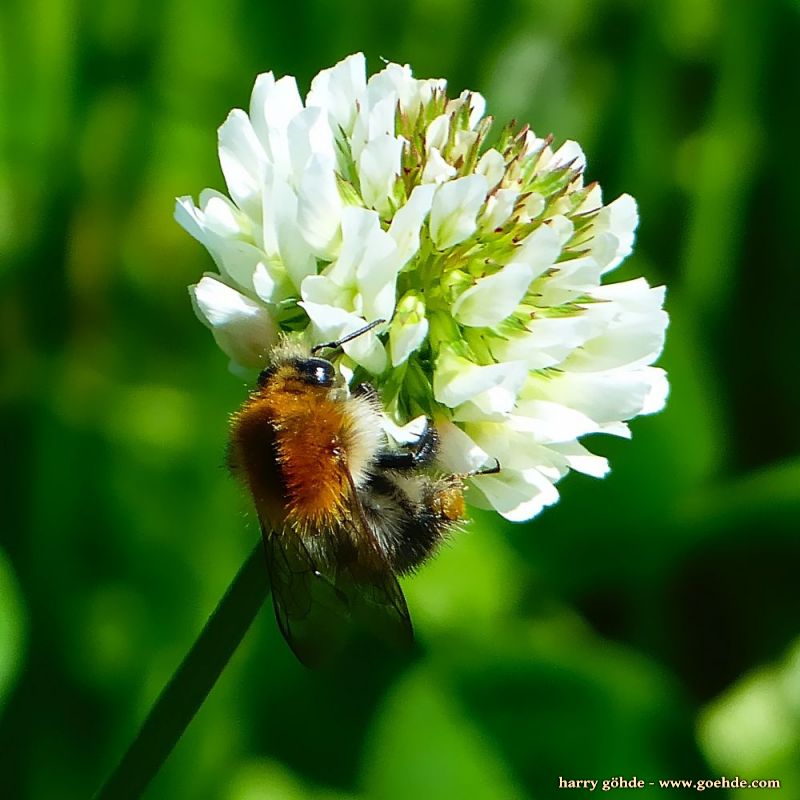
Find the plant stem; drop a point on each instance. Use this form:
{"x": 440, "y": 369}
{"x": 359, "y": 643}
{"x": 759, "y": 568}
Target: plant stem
{"x": 195, "y": 677}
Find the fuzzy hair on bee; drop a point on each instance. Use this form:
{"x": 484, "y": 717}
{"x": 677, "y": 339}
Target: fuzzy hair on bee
{"x": 342, "y": 513}
{"x": 299, "y": 440}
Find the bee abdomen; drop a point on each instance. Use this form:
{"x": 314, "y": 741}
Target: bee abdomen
{"x": 412, "y": 517}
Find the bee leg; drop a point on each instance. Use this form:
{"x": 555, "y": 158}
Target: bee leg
{"x": 366, "y": 390}
{"x": 433, "y": 519}
{"x": 486, "y": 470}
{"x": 412, "y": 456}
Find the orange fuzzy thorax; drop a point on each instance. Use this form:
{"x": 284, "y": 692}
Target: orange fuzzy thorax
{"x": 305, "y": 426}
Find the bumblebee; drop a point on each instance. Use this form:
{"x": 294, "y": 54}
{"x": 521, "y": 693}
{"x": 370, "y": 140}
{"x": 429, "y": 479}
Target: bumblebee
{"x": 342, "y": 514}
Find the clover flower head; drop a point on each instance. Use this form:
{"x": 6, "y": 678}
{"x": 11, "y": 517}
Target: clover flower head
{"x": 383, "y": 198}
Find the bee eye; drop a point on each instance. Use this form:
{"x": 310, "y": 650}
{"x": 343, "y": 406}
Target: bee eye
{"x": 317, "y": 371}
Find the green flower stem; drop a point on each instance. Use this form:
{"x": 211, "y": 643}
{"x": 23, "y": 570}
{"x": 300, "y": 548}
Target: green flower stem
{"x": 191, "y": 683}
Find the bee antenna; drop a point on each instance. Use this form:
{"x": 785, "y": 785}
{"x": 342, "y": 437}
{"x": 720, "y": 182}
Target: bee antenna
{"x": 350, "y": 336}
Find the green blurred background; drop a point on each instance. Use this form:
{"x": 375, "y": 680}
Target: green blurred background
{"x": 648, "y": 624}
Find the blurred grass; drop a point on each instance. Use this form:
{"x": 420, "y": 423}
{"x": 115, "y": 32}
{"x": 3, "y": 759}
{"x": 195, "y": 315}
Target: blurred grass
{"x": 640, "y": 626}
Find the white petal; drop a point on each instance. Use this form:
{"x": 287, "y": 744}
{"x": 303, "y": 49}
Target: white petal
{"x": 322, "y": 290}
{"x": 319, "y": 210}
{"x": 477, "y": 107}
{"x": 347, "y": 369}
{"x": 563, "y": 227}
{"x": 549, "y": 422}
{"x": 457, "y": 380}
{"x": 606, "y": 397}
{"x": 455, "y": 207}
{"x": 409, "y": 327}
{"x": 494, "y": 297}
{"x": 369, "y": 353}
{"x": 376, "y": 118}
{"x": 516, "y": 450}
{"x": 570, "y": 153}
{"x": 393, "y": 79}
{"x": 408, "y": 221}
{"x": 539, "y": 249}
{"x": 500, "y": 399}
{"x": 217, "y": 227}
{"x": 436, "y": 134}
{"x": 280, "y": 208}
{"x": 535, "y": 145}
{"x": 366, "y": 261}
{"x": 571, "y": 280}
{"x": 463, "y": 143}
{"x": 273, "y": 105}
{"x": 517, "y": 495}
{"x": 333, "y": 323}
{"x": 190, "y": 218}
{"x": 242, "y": 159}
{"x": 212, "y": 242}
{"x": 437, "y": 170}
{"x": 405, "y": 339}
{"x": 412, "y": 94}
{"x": 631, "y": 326}
{"x": 621, "y": 429}
{"x": 378, "y": 168}
{"x": 592, "y": 202}
{"x": 636, "y": 295}
{"x": 469, "y": 412}
{"x": 270, "y": 282}
{"x": 581, "y": 460}
{"x": 381, "y": 117}
{"x": 221, "y": 216}
{"x": 534, "y": 206}
{"x": 239, "y": 260}
{"x": 492, "y": 165}
{"x": 309, "y": 134}
{"x": 380, "y": 304}
{"x": 376, "y": 276}
{"x": 656, "y": 397}
{"x": 621, "y": 219}
{"x": 358, "y": 226}
{"x": 337, "y": 89}
{"x": 549, "y": 341}
{"x": 330, "y": 323}
{"x": 272, "y": 200}
{"x": 219, "y": 304}
{"x": 258, "y": 107}
{"x": 282, "y": 102}
{"x": 408, "y": 433}
{"x": 604, "y": 249}
{"x": 242, "y": 328}
{"x": 634, "y": 340}
{"x": 428, "y": 87}
{"x": 458, "y": 453}
{"x": 498, "y": 208}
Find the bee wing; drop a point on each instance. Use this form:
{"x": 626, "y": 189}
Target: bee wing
{"x": 312, "y": 613}
{"x": 316, "y": 602}
{"x": 379, "y": 606}
{"x": 367, "y": 580}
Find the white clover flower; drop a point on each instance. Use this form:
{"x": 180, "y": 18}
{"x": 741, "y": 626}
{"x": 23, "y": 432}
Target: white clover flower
{"x": 381, "y": 199}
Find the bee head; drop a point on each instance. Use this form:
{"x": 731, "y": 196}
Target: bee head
{"x": 309, "y": 368}
{"x": 313, "y": 371}
{"x": 316, "y": 371}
